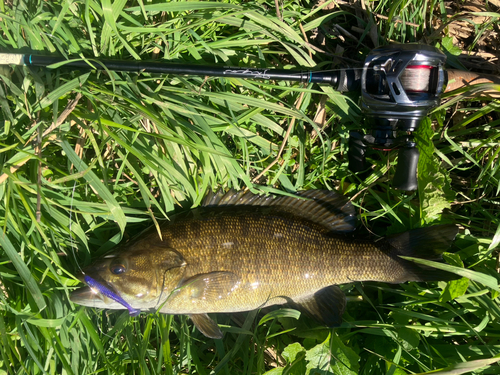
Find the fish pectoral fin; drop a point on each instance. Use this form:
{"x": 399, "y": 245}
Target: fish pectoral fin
{"x": 206, "y": 325}
{"x": 210, "y": 286}
{"x": 326, "y": 305}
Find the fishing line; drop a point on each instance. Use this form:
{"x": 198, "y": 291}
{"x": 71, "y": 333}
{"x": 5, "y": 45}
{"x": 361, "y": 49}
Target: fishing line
{"x": 73, "y": 248}
{"x": 69, "y": 228}
{"x": 102, "y": 320}
{"x": 158, "y": 305}
{"x": 76, "y": 260}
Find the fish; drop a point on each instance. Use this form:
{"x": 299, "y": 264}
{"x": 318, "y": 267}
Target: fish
{"x": 241, "y": 251}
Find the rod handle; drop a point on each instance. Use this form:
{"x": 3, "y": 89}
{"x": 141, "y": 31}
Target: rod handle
{"x": 356, "y": 153}
{"x": 405, "y": 177}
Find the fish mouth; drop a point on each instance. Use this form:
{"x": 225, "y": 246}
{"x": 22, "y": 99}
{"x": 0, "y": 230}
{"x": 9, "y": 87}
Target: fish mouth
{"x": 87, "y": 297}
{"x": 90, "y": 297}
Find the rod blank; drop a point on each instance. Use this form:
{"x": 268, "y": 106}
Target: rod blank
{"x": 343, "y": 80}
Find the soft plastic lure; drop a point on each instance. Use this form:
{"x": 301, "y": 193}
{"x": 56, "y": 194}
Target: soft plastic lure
{"x": 108, "y": 293}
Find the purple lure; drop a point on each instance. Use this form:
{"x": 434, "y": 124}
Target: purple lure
{"x": 108, "y": 293}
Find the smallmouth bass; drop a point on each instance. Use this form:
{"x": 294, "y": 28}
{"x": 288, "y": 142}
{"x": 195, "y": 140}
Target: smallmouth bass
{"x": 240, "y": 251}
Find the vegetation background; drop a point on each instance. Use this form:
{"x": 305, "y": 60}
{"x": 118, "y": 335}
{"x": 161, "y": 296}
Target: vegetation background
{"x": 91, "y": 158}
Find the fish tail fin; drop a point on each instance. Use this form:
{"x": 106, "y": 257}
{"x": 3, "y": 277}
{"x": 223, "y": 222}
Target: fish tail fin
{"x": 425, "y": 243}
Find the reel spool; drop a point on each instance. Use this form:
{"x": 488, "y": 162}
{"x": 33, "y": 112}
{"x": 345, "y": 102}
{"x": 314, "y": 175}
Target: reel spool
{"x": 416, "y": 78}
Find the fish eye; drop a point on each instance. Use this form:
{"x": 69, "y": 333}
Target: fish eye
{"x": 117, "y": 269}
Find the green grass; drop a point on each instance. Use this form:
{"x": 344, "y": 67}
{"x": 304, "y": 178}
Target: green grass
{"x": 138, "y": 146}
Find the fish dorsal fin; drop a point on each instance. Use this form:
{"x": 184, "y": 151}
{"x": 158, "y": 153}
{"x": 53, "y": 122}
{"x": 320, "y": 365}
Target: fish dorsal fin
{"x": 206, "y": 325}
{"x": 327, "y": 305}
{"x": 324, "y": 207}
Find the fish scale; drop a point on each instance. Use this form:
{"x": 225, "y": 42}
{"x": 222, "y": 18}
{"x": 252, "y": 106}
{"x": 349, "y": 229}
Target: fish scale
{"x": 279, "y": 265}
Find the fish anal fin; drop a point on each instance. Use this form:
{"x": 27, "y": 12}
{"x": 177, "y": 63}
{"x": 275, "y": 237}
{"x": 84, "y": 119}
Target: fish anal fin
{"x": 326, "y": 306}
{"x": 206, "y": 325}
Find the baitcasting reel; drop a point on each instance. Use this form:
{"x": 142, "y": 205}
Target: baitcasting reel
{"x": 400, "y": 85}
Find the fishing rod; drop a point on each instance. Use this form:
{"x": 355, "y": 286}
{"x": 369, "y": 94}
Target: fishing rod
{"x": 399, "y": 85}
{"x": 342, "y": 80}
